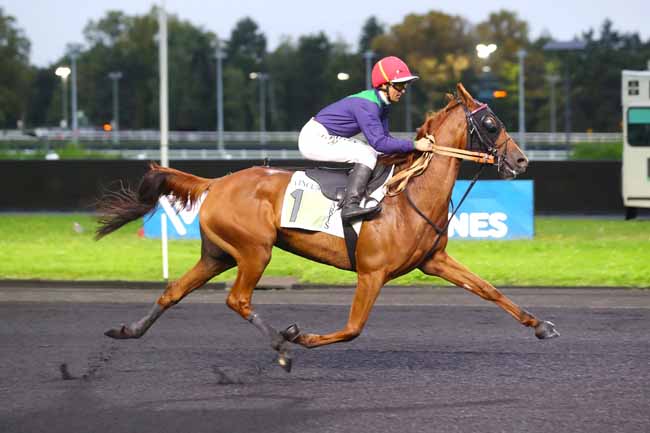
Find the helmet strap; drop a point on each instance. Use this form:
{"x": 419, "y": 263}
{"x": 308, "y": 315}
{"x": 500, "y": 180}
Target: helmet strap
{"x": 384, "y": 89}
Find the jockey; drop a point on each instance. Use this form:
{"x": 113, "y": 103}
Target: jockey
{"x": 328, "y": 135}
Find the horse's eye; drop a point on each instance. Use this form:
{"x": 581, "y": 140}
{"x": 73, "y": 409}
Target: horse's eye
{"x": 490, "y": 124}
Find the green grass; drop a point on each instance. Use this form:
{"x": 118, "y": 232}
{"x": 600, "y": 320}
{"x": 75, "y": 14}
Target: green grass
{"x": 591, "y": 151}
{"x": 70, "y": 151}
{"x": 565, "y": 252}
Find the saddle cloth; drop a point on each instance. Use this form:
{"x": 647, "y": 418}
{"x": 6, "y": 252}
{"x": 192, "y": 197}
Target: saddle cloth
{"x": 305, "y": 207}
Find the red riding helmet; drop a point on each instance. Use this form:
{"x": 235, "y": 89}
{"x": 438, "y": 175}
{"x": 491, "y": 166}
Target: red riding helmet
{"x": 391, "y": 70}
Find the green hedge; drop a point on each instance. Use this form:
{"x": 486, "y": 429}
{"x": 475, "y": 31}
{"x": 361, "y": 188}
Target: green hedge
{"x": 605, "y": 151}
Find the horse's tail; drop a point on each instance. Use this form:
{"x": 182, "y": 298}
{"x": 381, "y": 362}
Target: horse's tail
{"x": 118, "y": 208}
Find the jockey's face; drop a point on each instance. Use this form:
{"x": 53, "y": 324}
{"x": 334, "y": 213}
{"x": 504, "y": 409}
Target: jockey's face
{"x": 395, "y": 91}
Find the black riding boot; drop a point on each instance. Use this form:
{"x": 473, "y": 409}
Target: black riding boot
{"x": 357, "y": 183}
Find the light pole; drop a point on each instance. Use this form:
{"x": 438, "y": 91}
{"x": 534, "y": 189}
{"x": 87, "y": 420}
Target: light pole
{"x": 115, "y": 77}
{"x": 63, "y": 72}
{"x": 408, "y": 122}
{"x": 521, "y": 54}
{"x": 163, "y": 68}
{"x": 220, "y": 54}
{"x": 483, "y": 52}
{"x": 552, "y": 79}
{"x": 574, "y": 45}
{"x": 368, "y": 56}
{"x": 73, "y": 52}
{"x": 262, "y": 77}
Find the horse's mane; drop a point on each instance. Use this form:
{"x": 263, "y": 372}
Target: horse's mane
{"x": 414, "y": 163}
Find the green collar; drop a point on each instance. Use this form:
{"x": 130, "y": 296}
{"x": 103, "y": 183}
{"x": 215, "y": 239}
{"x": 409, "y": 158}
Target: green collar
{"x": 370, "y": 95}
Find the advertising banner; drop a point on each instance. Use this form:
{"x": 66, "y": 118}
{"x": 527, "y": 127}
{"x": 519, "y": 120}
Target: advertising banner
{"x": 181, "y": 223}
{"x": 494, "y": 210}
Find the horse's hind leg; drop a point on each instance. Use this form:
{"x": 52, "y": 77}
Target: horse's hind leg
{"x": 206, "y": 268}
{"x": 444, "y": 266}
{"x": 250, "y": 266}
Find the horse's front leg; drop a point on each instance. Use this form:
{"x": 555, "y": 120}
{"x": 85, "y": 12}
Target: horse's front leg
{"x": 366, "y": 293}
{"x": 444, "y": 266}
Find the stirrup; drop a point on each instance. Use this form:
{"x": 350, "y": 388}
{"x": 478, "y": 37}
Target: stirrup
{"x": 355, "y": 212}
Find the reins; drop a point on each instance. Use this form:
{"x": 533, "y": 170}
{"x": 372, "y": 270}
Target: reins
{"x": 481, "y": 158}
{"x": 469, "y": 155}
{"x": 442, "y": 230}
{"x": 400, "y": 180}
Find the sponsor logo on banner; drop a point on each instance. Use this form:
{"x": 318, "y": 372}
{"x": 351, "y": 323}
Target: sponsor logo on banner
{"x": 183, "y": 223}
{"x": 494, "y": 209}
{"x": 479, "y": 225}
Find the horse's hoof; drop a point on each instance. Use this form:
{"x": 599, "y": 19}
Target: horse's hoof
{"x": 291, "y": 333}
{"x": 285, "y": 361}
{"x": 119, "y": 333}
{"x": 545, "y": 330}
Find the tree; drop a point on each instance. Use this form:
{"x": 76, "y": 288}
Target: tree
{"x": 510, "y": 34}
{"x": 246, "y": 47}
{"x": 437, "y": 47}
{"x": 312, "y": 57}
{"x": 596, "y": 76}
{"x": 303, "y": 72}
{"x": 507, "y": 31}
{"x": 118, "y": 42}
{"x": 15, "y": 72}
{"x": 45, "y": 98}
{"x": 285, "y": 80}
{"x": 193, "y": 76}
{"x": 246, "y": 53}
{"x": 370, "y": 30}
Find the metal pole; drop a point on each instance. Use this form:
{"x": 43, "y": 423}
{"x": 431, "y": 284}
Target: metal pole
{"x": 408, "y": 121}
{"x": 263, "y": 78}
{"x": 574, "y": 45}
{"x": 64, "y": 98}
{"x": 164, "y": 115}
{"x": 522, "y": 99}
{"x": 164, "y": 108}
{"x": 73, "y": 52}
{"x": 220, "y": 56}
{"x": 368, "y": 55}
{"x": 552, "y": 80}
{"x": 116, "y": 121}
{"x": 165, "y": 249}
{"x": 567, "y": 104}
{"x": 115, "y": 77}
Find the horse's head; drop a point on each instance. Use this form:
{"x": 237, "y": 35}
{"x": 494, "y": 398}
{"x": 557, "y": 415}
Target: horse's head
{"x": 464, "y": 129}
{"x": 486, "y": 133}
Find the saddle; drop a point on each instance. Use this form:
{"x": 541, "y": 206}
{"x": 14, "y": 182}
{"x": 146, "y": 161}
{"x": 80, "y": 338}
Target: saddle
{"x": 332, "y": 181}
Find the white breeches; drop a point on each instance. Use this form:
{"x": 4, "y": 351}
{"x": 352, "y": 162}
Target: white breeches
{"x": 316, "y": 143}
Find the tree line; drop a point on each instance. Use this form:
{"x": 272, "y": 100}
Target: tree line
{"x": 302, "y": 73}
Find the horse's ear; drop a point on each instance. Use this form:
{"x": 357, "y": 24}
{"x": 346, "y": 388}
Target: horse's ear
{"x": 464, "y": 94}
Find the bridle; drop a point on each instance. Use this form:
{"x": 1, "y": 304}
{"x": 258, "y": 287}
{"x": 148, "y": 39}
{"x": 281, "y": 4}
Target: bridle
{"x": 483, "y": 128}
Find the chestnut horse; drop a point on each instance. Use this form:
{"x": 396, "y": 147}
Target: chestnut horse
{"x": 240, "y": 224}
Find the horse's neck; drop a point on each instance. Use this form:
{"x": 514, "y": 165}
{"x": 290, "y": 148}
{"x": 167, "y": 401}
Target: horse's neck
{"x": 432, "y": 190}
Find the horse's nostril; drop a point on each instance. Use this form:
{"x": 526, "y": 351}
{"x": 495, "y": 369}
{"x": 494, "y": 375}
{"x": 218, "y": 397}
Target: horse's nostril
{"x": 522, "y": 162}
